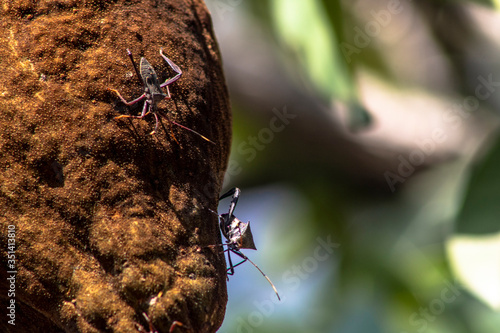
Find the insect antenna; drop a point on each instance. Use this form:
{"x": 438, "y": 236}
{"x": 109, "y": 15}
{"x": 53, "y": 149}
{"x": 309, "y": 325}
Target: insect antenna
{"x": 169, "y": 127}
{"x": 135, "y": 66}
{"x": 261, "y": 272}
{"x": 186, "y": 128}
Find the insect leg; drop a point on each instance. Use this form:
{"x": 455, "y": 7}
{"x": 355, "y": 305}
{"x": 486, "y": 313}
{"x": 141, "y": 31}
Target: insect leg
{"x": 235, "y": 192}
{"x": 213, "y": 211}
{"x": 143, "y": 114}
{"x": 174, "y": 67}
{"x": 231, "y": 267}
{"x": 151, "y": 327}
{"x": 144, "y": 109}
{"x": 156, "y": 124}
{"x": 241, "y": 262}
{"x": 125, "y": 101}
{"x": 175, "y": 324}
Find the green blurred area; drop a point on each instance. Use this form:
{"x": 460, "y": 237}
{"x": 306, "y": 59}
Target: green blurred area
{"x": 415, "y": 253}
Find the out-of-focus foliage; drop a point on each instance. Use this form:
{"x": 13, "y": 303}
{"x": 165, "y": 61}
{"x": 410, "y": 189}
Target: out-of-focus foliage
{"x": 474, "y": 248}
{"x": 480, "y": 213}
{"x": 306, "y": 31}
{"x": 421, "y": 255}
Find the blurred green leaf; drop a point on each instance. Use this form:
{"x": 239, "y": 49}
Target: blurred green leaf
{"x": 305, "y": 28}
{"x": 494, "y": 3}
{"x": 474, "y": 250}
{"x": 480, "y": 212}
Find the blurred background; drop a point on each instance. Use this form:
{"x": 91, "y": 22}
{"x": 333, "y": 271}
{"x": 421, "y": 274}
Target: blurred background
{"x": 366, "y": 147}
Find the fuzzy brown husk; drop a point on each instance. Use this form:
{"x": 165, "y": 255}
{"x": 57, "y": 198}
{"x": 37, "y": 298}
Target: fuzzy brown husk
{"x": 110, "y": 222}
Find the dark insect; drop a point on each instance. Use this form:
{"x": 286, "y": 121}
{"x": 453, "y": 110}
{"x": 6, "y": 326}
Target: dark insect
{"x": 238, "y": 235}
{"x": 152, "y": 92}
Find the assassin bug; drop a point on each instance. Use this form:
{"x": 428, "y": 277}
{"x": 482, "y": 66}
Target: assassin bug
{"x": 152, "y": 91}
{"x": 238, "y": 235}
